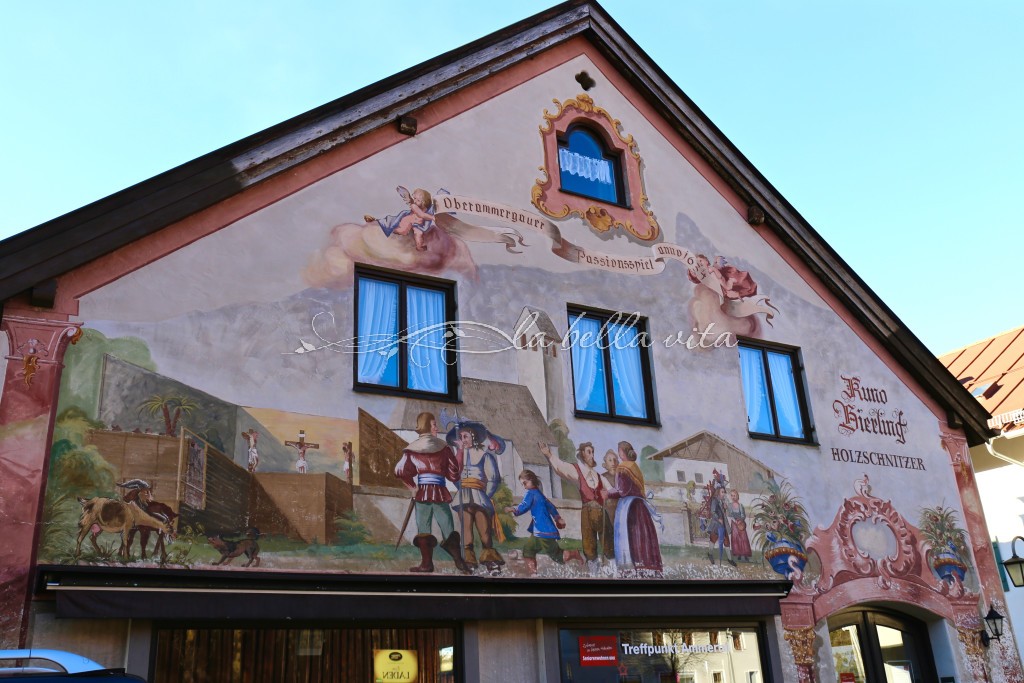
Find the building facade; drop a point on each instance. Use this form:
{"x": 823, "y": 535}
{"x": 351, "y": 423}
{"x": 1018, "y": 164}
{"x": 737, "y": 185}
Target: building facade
{"x": 509, "y": 364}
{"x": 992, "y": 370}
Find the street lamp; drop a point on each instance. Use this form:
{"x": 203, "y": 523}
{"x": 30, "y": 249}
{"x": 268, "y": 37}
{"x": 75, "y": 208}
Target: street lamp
{"x": 993, "y": 626}
{"x": 1015, "y": 565}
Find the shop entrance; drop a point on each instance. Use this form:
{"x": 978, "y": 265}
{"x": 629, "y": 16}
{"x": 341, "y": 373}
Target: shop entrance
{"x": 872, "y": 646}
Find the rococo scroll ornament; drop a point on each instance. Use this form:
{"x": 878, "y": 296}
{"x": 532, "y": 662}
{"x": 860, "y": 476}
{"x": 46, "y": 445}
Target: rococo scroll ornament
{"x": 909, "y": 558}
{"x": 630, "y": 212}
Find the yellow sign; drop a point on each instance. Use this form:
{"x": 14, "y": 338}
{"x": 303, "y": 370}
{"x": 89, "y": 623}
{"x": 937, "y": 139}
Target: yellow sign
{"x": 395, "y": 665}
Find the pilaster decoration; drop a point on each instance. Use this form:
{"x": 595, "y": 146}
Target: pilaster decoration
{"x": 634, "y": 214}
{"x": 968, "y": 621}
{"x": 1005, "y": 649}
{"x": 975, "y": 654}
{"x": 26, "y": 414}
{"x": 955, "y": 443}
{"x": 38, "y": 342}
{"x": 968, "y": 625}
{"x": 801, "y": 644}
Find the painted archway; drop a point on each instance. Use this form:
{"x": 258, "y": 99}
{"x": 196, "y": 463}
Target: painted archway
{"x": 854, "y": 572}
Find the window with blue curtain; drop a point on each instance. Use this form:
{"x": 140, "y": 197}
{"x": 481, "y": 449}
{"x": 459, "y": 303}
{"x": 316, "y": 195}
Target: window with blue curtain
{"x": 586, "y": 168}
{"x": 773, "y": 392}
{"x": 401, "y": 335}
{"x": 611, "y": 369}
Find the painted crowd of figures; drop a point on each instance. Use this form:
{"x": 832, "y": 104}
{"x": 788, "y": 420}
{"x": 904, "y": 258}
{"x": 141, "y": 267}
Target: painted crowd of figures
{"x": 617, "y": 521}
{"x": 455, "y": 478}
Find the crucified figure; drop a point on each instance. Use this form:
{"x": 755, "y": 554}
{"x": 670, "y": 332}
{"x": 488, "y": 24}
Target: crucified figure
{"x": 302, "y": 446}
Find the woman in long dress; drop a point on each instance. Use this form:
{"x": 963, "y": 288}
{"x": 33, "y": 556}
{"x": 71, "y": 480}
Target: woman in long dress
{"x": 738, "y": 523}
{"x": 636, "y": 540}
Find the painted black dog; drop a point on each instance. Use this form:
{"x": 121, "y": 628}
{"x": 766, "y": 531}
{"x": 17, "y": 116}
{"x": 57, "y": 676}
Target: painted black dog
{"x": 232, "y": 548}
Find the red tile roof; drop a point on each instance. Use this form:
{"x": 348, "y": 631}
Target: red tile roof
{"x": 993, "y": 370}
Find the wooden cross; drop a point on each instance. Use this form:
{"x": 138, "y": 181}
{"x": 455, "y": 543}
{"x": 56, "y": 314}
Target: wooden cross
{"x": 301, "y": 445}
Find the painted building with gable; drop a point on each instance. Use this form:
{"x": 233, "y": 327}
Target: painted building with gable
{"x": 510, "y": 363}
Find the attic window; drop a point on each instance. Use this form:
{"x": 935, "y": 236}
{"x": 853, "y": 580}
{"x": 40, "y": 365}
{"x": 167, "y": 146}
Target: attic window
{"x": 587, "y": 168}
{"x": 593, "y": 170}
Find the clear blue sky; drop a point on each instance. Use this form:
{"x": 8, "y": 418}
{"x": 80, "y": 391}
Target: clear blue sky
{"x": 895, "y": 128}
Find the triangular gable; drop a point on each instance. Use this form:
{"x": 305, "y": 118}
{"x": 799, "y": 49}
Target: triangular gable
{"x": 201, "y": 195}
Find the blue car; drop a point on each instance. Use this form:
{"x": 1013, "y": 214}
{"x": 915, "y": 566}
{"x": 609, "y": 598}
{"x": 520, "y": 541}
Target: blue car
{"x": 56, "y": 666}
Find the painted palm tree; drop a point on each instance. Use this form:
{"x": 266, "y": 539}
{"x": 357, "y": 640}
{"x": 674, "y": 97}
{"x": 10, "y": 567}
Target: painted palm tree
{"x": 171, "y": 407}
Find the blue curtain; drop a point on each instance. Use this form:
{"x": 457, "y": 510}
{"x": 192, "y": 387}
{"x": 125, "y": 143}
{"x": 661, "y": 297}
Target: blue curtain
{"x": 588, "y": 371}
{"x": 377, "y": 346}
{"x": 627, "y": 372}
{"x": 787, "y": 403}
{"x": 425, "y": 314}
{"x": 755, "y": 391}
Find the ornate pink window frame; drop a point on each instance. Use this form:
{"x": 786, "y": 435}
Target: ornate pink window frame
{"x": 634, "y": 216}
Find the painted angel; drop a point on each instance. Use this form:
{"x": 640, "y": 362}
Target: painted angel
{"x": 417, "y": 220}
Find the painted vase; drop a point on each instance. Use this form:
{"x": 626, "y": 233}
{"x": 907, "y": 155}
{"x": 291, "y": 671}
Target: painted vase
{"x": 785, "y": 556}
{"x": 947, "y": 564}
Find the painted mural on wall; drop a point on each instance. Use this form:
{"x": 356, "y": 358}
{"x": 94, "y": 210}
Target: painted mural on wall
{"x": 434, "y": 490}
{"x": 159, "y": 471}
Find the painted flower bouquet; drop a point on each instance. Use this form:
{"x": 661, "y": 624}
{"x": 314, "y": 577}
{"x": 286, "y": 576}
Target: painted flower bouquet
{"x": 948, "y": 542}
{"x": 780, "y": 528}
{"x": 779, "y": 514}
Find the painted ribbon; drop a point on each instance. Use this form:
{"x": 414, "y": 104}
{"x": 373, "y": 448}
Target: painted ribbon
{"x": 446, "y": 205}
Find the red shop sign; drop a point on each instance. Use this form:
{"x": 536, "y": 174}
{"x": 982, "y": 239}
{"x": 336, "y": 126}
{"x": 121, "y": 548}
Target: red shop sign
{"x": 599, "y": 650}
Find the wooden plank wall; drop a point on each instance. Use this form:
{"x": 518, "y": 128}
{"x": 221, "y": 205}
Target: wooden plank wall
{"x": 307, "y": 503}
{"x": 379, "y": 452}
{"x": 228, "y": 494}
{"x": 151, "y": 457}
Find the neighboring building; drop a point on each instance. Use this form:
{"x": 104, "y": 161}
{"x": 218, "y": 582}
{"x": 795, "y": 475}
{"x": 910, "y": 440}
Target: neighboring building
{"x": 993, "y": 371}
{"x": 271, "y": 365}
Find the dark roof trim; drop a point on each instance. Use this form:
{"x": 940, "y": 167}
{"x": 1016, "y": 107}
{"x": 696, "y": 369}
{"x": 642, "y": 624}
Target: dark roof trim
{"x": 83, "y": 235}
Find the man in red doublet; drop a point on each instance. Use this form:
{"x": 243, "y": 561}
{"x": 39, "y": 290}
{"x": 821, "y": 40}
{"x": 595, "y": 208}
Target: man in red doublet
{"x": 426, "y": 464}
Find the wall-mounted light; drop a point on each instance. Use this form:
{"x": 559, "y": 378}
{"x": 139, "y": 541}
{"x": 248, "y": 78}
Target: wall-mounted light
{"x": 407, "y": 124}
{"x": 755, "y": 215}
{"x": 993, "y": 627}
{"x": 1015, "y": 565}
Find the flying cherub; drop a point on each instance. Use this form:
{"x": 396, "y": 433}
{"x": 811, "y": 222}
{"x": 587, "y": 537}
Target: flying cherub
{"x": 418, "y": 219}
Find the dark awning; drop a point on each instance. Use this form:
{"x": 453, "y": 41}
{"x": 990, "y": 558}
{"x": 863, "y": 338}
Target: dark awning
{"x": 127, "y": 593}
